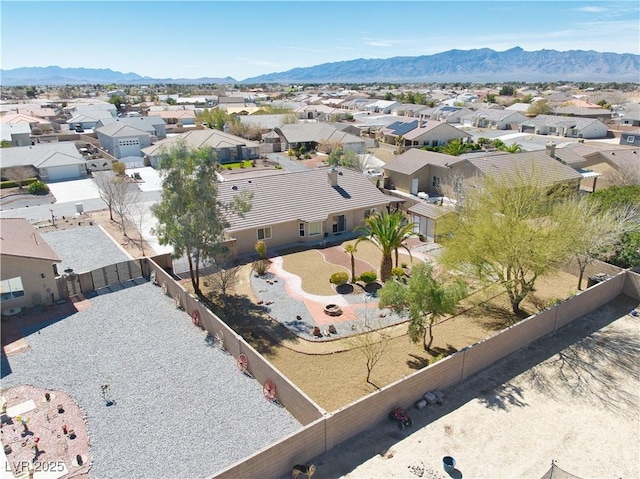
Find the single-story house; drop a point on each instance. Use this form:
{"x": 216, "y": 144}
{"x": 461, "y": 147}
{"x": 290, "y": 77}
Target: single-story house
{"x": 173, "y": 117}
{"x": 583, "y": 111}
{"x": 88, "y": 119}
{"x": 28, "y": 275}
{"x": 536, "y": 167}
{"x": 310, "y": 135}
{"x": 153, "y": 124}
{"x": 32, "y": 121}
{"x": 434, "y": 133}
{"x": 230, "y": 148}
{"x": 121, "y": 140}
{"x": 572, "y": 127}
{"x": 494, "y": 119}
{"x": 381, "y": 106}
{"x": 54, "y": 161}
{"x": 449, "y": 114}
{"x": 18, "y": 134}
{"x": 301, "y": 207}
{"x": 48, "y": 114}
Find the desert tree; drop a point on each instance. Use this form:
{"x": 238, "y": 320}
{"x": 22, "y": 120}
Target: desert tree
{"x": 597, "y": 231}
{"x": 424, "y": 298}
{"x": 387, "y": 230}
{"x": 191, "y": 217}
{"x": 371, "y": 343}
{"x": 106, "y": 182}
{"x": 539, "y": 107}
{"x": 139, "y": 214}
{"x": 509, "y": 231}
{"x": 225, "y": 273}
{"x": 125, "y": 195}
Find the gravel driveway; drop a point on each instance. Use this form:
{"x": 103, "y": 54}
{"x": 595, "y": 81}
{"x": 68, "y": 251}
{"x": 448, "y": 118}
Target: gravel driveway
{"x": 182, "y": 410}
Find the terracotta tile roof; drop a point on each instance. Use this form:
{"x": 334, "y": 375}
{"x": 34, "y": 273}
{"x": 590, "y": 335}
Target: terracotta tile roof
{"x": 19, "y": 239}
{"x": 303, "y": 195}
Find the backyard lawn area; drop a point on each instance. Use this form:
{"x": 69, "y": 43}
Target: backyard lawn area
{"x": 333, "y": 373}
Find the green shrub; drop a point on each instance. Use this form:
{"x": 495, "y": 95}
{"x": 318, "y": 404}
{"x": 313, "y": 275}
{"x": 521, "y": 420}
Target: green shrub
{"x": 369, "y": 277}
{"x": 397, "y": 272}
{"x": 261, "y": 249}
{"x": 339, "y": 278}
{"x": 38, "y": 188}
{"x": 290, "y": 152}
{"x": 403, "y": 265}
{"x": 278, "y": 167}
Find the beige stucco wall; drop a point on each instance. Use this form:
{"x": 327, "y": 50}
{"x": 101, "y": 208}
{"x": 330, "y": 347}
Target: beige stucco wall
{"x": 30, "y": 271}
{"x": 288, "y": 233}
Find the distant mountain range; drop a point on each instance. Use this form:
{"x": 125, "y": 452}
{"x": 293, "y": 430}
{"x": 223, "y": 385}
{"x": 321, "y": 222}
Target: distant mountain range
{"x": 478, "y": 66}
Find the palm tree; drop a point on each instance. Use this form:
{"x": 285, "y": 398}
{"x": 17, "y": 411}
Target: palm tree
{"x": 454, "y": 147}
{"x": 513, "y": 148}
{"x": 352, "y": 249}
{"x": 387, "y": 231}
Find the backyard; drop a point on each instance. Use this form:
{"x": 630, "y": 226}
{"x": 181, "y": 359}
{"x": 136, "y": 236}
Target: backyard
{"x": 332, "y": 372}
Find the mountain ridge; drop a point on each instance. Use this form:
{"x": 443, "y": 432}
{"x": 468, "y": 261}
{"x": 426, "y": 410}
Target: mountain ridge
{"x": 475, "y": 65}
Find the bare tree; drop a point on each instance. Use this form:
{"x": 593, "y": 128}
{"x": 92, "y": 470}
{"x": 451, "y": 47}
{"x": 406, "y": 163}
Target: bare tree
{"x": 597, "y": 232}
{"x": 225, "y": 274}
{"x": 19, "y": 174}
{"x": 624, "y": 175}
{"x": 125, "y": 195}
{"x": 139, "y": 213}
{"x": 371, "y": 342}
{"x": 106, "y": 181}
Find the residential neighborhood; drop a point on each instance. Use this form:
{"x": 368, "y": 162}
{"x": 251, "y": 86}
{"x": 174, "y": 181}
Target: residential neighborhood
{"x": 239, "y": 246}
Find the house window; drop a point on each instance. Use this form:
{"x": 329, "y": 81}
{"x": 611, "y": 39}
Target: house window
{"x": 369, "y": 212}
{"x": 631, "y": 139}
{"x": 436, "y": 182}
{"x": 11, "y": 288}
{"x": 264, "y": 233}
{"x": 301, "y": 229}
{"x": 315, "y": 229}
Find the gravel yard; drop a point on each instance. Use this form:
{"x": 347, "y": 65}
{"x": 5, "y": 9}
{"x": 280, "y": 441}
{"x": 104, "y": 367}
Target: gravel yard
{"x": 84, "y": 248}
{"x": 182, "y": 409}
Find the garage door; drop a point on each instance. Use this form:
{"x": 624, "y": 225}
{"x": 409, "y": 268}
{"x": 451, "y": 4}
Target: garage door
{"x": 63, "y": 172}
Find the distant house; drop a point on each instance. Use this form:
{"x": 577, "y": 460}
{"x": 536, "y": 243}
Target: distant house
{"x": 229, "y": 148}
{"x": 18, "y": 134}
{"x": 301, "y": 207}
{"x": 121, "y": 140}
{"x": 173, "y": 117}
{"x": 631, "y": 118}
{"x": 153, "y": 124}
{"x": 310, "y": 135}
{"x": 571, "y": 127}
{"x": 53, "y": 161}
{"x": 88, "y": 120}
{"x": 381, "y": 106}
{"x": 433, "y": 133}
{"x": 630, "y": 138}
{"x": 590, "y": 111}
{"x": 494, "y": 119}
{"x": 28, "y": 274}
{"x": 449, "y": 114}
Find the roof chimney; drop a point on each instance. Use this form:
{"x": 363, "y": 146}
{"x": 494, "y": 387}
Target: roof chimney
{"x": 551, "y": 149}
{"x": 420, "y": 122}
{"x": 333, "y": 177}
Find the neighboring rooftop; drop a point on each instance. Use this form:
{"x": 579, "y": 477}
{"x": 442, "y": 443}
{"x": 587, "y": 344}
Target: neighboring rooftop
{"x": 18, "y": 238}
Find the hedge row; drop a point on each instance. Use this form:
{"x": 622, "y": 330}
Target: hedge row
{"x": 14, "y": 184}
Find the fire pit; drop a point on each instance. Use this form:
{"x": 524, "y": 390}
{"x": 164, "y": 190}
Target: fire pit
{"x": 333, "y": 310}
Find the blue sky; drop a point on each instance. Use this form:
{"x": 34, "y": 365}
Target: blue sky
{"x": 242, "y": 39}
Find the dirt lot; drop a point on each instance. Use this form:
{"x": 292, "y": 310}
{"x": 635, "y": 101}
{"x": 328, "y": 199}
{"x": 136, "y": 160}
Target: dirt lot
{"x": 573, "y": 398}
